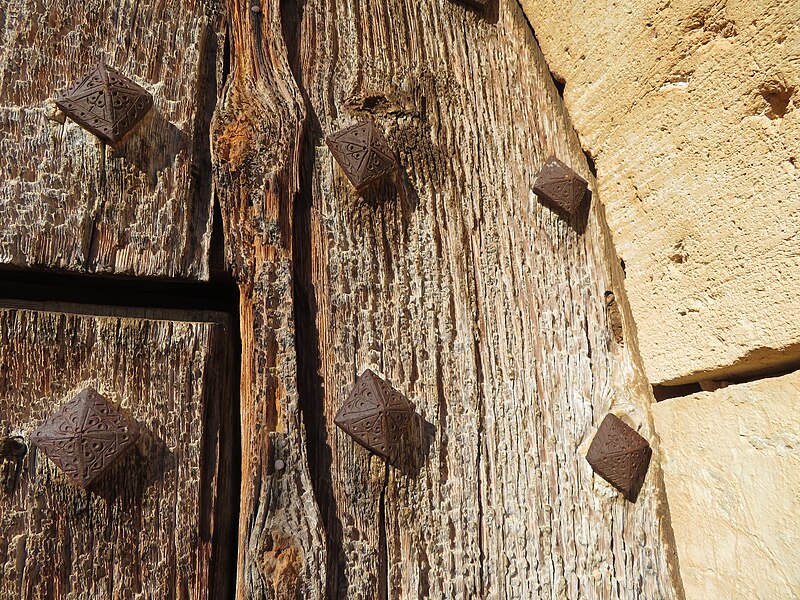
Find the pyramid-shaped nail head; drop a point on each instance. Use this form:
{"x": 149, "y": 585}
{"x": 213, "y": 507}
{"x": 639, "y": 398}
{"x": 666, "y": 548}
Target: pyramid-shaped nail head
{"x": 362, "y": 153}
{"x": 376, "y": 416}
{"x": 86, "y": 436}
{"x": 620, "y": 456}
{"x": 105, "y": 103}
{"x": 560, "y": 186}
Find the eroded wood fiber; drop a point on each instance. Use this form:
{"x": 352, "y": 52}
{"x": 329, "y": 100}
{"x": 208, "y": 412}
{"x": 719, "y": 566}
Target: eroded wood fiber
{"x": 256, "y": 133}
{"x": 482, "y": 306}
{"x": 68, "y": 201}
{"x": 158, "y": 525}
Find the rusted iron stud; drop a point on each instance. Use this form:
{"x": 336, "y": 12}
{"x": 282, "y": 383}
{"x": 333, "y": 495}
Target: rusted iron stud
{"x": 560, "y": 187}
{"x": 105, "y": 103}
{"x": 86, "y": 437}
{"x": 376, "y": 416}
{"x": 363, "y": 154}
{"x": 620, "y": 456}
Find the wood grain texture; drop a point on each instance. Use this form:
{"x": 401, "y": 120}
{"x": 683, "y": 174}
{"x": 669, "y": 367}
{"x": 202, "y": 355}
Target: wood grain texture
{"x": 256, "y": 133}
{"x": 481, "y": 305}
{"x": 68, "y": 201}
{"x": 159, "y": 524}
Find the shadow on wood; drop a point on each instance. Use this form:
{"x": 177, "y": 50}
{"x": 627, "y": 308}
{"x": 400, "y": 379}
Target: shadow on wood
{"x": 126, "y": 482}
{"x": 393, "y": 189}
{"x": 577, "y": 221}
{"x": 415, "y": 446}
{"x": 152, "y": 146}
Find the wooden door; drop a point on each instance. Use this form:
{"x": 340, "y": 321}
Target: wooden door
{"x": 160, "y": 523}
{"x": 485, "y": 308}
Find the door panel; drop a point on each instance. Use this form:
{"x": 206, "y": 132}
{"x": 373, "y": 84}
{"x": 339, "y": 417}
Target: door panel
{"x": 66, "y": 200}
{"x": 159, "y": 523}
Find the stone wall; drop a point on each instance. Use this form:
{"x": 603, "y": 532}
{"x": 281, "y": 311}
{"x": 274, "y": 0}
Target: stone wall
{"x": 731, "y": 463}
{"x": 689, "y": 110}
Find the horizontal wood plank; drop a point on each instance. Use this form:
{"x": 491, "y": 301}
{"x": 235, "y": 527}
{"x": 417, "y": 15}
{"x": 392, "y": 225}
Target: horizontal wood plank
{"x": 159, "y": 525}
{"x": 68, "y": 201}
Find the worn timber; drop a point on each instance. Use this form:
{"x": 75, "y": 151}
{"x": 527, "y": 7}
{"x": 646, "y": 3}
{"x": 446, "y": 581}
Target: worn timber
{"x": 159, "y": 524}
{"x": 69, "y": 201}
{"x": 257, "y": 130}
{"x": 479, "y": 303}
{"x": 451, "y": 280}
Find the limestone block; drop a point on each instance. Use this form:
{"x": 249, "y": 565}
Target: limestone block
{"x": 690, "y": 111}
{"x": 731, "y": 464}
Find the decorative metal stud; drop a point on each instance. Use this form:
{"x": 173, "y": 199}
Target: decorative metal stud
{"x": 560, "y": 186}
{"x": 105, "y": 103}
{"x": 620, "y": 456}
{"x": 376, "y": 415}
{"x": 362, "y": 152}
{"x": 86, "y": 437}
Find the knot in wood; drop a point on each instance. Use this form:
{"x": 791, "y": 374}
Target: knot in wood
{"x": 12, "y": 448}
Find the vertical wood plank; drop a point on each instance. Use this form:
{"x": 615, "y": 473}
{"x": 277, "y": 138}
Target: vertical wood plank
{"x": 479, "y": 304}
{"x": 256, "y": 133}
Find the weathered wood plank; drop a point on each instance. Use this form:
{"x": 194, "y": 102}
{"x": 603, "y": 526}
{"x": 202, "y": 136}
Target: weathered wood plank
{"x": 256, "y": 133}
{"x": 67, "y": 201}
{"x": 160, "y": 524}
{"x": 479, "y": 304}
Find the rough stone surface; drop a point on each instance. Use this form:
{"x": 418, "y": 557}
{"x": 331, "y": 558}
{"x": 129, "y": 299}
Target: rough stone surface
{"x": 689, "y": 109}
{"x": 731, "y": 463}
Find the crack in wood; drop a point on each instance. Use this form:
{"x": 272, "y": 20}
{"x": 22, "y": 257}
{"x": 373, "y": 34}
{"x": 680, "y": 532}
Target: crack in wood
{"x": 383, "y": 550}
{"x": 218, "y": 294}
